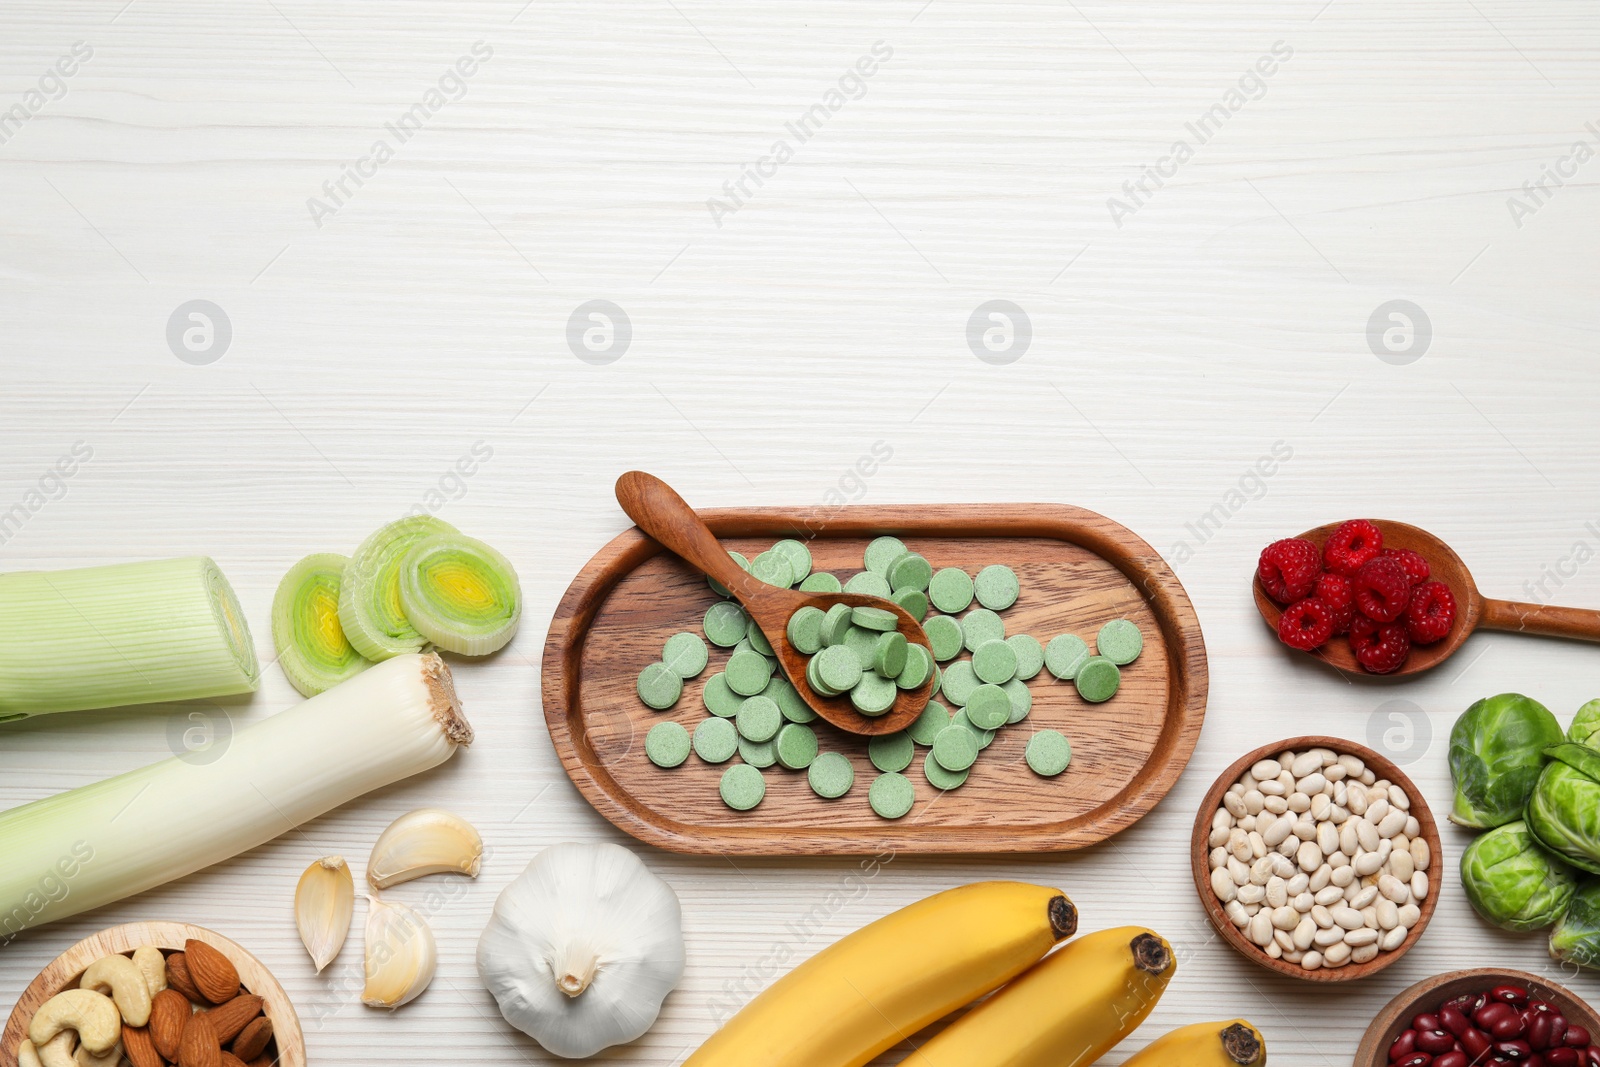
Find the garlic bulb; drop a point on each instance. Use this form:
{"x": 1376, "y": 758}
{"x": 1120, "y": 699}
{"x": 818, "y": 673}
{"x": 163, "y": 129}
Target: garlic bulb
{"x": 401, "y": 956}
{"x": 582, "y": 948}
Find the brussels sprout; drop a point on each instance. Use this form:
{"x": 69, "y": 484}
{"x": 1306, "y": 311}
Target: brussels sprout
{"x": 1514, "y": 883}
{"x": 1576, "y": 938}
{"x": 1585, "y": 728}
{"x": 1564, "y": 810}
{"x": 1496, "y": 750}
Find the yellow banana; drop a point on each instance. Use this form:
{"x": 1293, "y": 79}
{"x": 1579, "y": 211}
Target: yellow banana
{"x": 886, "y": 981}
{"x": 1234, "y": 1043}
{"x": 1067, "y": 1009}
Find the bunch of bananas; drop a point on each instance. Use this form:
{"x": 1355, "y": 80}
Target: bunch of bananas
{"x": 885, "y": 982}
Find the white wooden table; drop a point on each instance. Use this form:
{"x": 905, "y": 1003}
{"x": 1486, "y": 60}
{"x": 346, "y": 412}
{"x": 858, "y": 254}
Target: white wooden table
{"x": 386, "y": 330}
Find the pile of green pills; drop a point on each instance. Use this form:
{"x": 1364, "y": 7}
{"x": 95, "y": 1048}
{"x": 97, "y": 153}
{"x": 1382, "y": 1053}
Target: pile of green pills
{"x": 755, "y": 717}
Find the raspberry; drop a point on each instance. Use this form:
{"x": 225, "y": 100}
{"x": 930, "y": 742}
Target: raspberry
{"x": 1338, "y": 592}
{"x": 1415, "y": 565}
{"x": 1351, "y": 545}
{"x": 1382, "y": 589}
{"x": 1306, "y": 625}
{"x": 1431, "y": 613}
{"x": 1383, "y": 647}
{"x": 1288, "y": 569}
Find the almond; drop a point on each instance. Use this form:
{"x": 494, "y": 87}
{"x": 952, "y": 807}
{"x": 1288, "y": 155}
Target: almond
{"x": 230, "y": 1060}
{"x": 139, "y": 1047}
{"x": 178, "y": 977}
{"x": 200, "y": 1047}
{"x": 169, "y": 1014}
{"x": 234, "y": 1016}
{"x": 266, "y": 1059}
{"x": 252, "y": 1040}
{"x": 213, "y": 974}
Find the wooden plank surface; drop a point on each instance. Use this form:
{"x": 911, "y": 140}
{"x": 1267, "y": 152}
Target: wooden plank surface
{"x": 1201, "y": 373}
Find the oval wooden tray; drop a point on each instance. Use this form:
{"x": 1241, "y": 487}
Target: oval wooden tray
{"x": 67, "y": 968}
{"x": 1078, "y": 570}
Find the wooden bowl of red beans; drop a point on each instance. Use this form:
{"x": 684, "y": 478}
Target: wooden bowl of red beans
{"x": 1483, "y": 1017}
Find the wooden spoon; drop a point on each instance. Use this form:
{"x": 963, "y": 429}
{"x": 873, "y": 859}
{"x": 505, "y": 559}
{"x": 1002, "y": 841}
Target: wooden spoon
{"x": 662, "y": 513}
{"x": 1473, "y": 609}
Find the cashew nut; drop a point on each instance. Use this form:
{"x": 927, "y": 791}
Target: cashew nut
{"x": 92, "y": 1015}
{"x": 153, "y": 965}
{"x": 85, "y": 1058}
{"x": 27, "y": 1056}
{"x": 57, "y": 1052}
{"x": 120, "y": 978}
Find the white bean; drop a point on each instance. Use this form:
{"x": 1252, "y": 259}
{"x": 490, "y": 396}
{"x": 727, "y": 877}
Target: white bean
{"x": 1366, "y": 776}
{"x": 1390, "y": 940}
{"x": 1419, "y": 885}
{"x": 1392, "y": 824}
{"x": 1356, "y": 801}
{"x": 1253, "y": 801}
{"x": 1261, "y": 928}
{"x": 1305, "y": 763}
{"x": 1305, "y": 829}
{"x": 1238, "y": 872}
{"x": 1250, "y": 893}
{"x": 1311, "y": 783}
{"x": 1369, "y": 916}
{"x": 1322, "y": 917}
{"x": 1247, "y": 823}
{"x": 1285, "y": 918}
{"x": 1273, "y": 950}
{"x": 1304, "y": 931}
{"x": 1398, "y": 798}
{"x": 1352, "y": 764}
{"x": 1235, "y": 805}
{"x": 1277, "y": 892}
{"x": 1377, "y": 810}
{"x": 1343, "y": 876}
{"x": 1311, "y": 960}
{"x": 1310, "y": 856}
{"x": 1293, "y": 957}
{"x": 1328, "y": 838}
{"x": 1222, "y": 885}
{"x": 1331, "y": 895}
{"x": 1321, "y": 806}
{"x": 1420, "y": 853}
{"x": 1349, "y": 844}
{"x": 1339, "y": 815}
{"x": 1298, "y": 883}
{"x": 1299, "y": 803}
{"x": 1282, "y": 939}
{"x": 1282, "y": 866}
{"x": 1273, "y": 789}
{"x": 1331, "y": 936}
{"x": 1336, "y": 955}
{"x": 1368, "y": 863}
{"x": 1303, "y": 903}
{"x": 1413, "y": 827}
{"x": 1265, "y": 770}
{"x": 1335, "y": 773}
{"x": 1319, "y": 878}
{"x": 1400, "y": 864}
{"x": 1364, "y": 954}
{"x": 1261, "y": 871}
{"x": 1347, "y": 918}
{"x": 1236, "y": 914}
{"x": 1366, "y": 896}
{"x": 1258, "y": 848}
{"x": 1393, "y": 888}
{"x": 1288, "y": 847}
{"x": 1367, "y": 836}
{"x": 1276, "y": 805}
{"x": 1409, "y": 915}
{"x": 1388, "y": 914}
{"x": 1239, "y": 845}
{"x": 1278, "y": 831}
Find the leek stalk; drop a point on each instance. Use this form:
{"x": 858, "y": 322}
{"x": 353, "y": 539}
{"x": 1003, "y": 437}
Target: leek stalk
{"x": 312, "y": 649}
{"x": 100, "y": 843}
{"x": 129, "y": 633}
{"x": 460, "y": 594}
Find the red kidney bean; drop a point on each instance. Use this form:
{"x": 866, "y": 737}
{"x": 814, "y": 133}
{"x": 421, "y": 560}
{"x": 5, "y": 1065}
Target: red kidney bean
{"x": 1403, "y": 1046}
{"x": 1575, "y": 1037}
{"x": 1543, "y": 1006}
{"x": 1563, "y": 1057}
{"x": 1490, "y": 1015}
{"x": 1507, "y": 1027}
{"x": 1558, "y": 1028}
{"x": 1514, "y": 1051}
{"x": 1538, "y": 1030}
{"x": 1591, "y": 1056}
{"x": 1435, "y": 1042}
{"x": 1476, "y": 1043}
{"x": 1451, "y": 1018}
{"x": 1425, "y": 1021}
{"x": 1416, "y": 1059}
{"x": 1455, "y": 1058}
{"x": 1514, "y": 995}
{"x": 1535, "y": 1060}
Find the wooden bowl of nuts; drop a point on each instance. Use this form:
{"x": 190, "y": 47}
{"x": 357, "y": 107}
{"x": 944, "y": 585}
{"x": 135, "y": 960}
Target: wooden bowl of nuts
{"x": 151, "y": 994}
{"x": 1440, "y": 1019}
{"x": 1309, "y": 877}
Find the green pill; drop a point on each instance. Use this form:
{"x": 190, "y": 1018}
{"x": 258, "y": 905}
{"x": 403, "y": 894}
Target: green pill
{"x": 685, "y": 654}
{"x": 868, "y": 583}
{"x": 744, "y": 645}
{"x": 909, "y": 571}
{"x": 758, "y": 719}
{"x": 805, "y": 629}
{"x": 715, "y": 740}
{"x": 798, "y": 556}
{"x": 926, "y": 727}
{"x": 758, "y": 640}
{"x": 985, "y": 737}
{"x": 830, "y": 775}
{"x": 863, "y": 643}
{"x": 660, "y": 686}
{"x": 880, "y": 619}
{"x": 772, "y": 568}
{"x": 940, "y": 778}
{"x": 1098, "y": 680}
{"x": 725, "y": 624}
{"x": 889, "y": 655}
{"x": 1065, "y": 655}
{"x": 720, "y": 589}
{"x": 821, "y": 582}
{"x": 980, "y": 625}
{"x": 1021, "y": 699}
{"x": 988, "y": 708}
{"x": 761, "y": 754}
{"x": 667, "y": 744}
{"x": 748, "y": 673}
{"x": 835, "y": 624}
{"x": 787, "y": 697}
{"x": 742, "y": 787}
{"x": 915, "y": 672}
{"x": 1048, "y": 753}
{"x": 719, "y": 699}
{"x": 838, "y": 667}
{"x": 959, "y": 681}
{"x": 873, "y": 694}
{"x": 994, "y": 662}
{"x": 996, "y": 587}
{"x": 891, "y": 752}
{"x": 796, "y": 747}
{"x": 955, "y": 749}
{"x": 944, "y": 635}
{"x": 881, "y": 553}
{"x": 1030, "y": 655}
{"x": 915, "y": 601}
{"x": 1119, "y": 641}
{"x": 951, "y": 590}
{"x": 891, "y": 795}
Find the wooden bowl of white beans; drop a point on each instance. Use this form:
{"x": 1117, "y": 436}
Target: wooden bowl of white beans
{"x": 1309, "y": 877}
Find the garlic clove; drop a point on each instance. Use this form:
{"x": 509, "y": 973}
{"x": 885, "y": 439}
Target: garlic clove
{"x": 400, "y": 955}
{"x": 426, "y": 841}
{"x": 324, "y": 903}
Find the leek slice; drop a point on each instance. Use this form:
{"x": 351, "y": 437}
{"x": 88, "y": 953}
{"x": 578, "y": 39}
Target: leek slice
{"x": 369, "y": 596}
{"x": 312, "y": 648}
{"x": 461, "y": 594}
{"x": 129, "y": 633}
